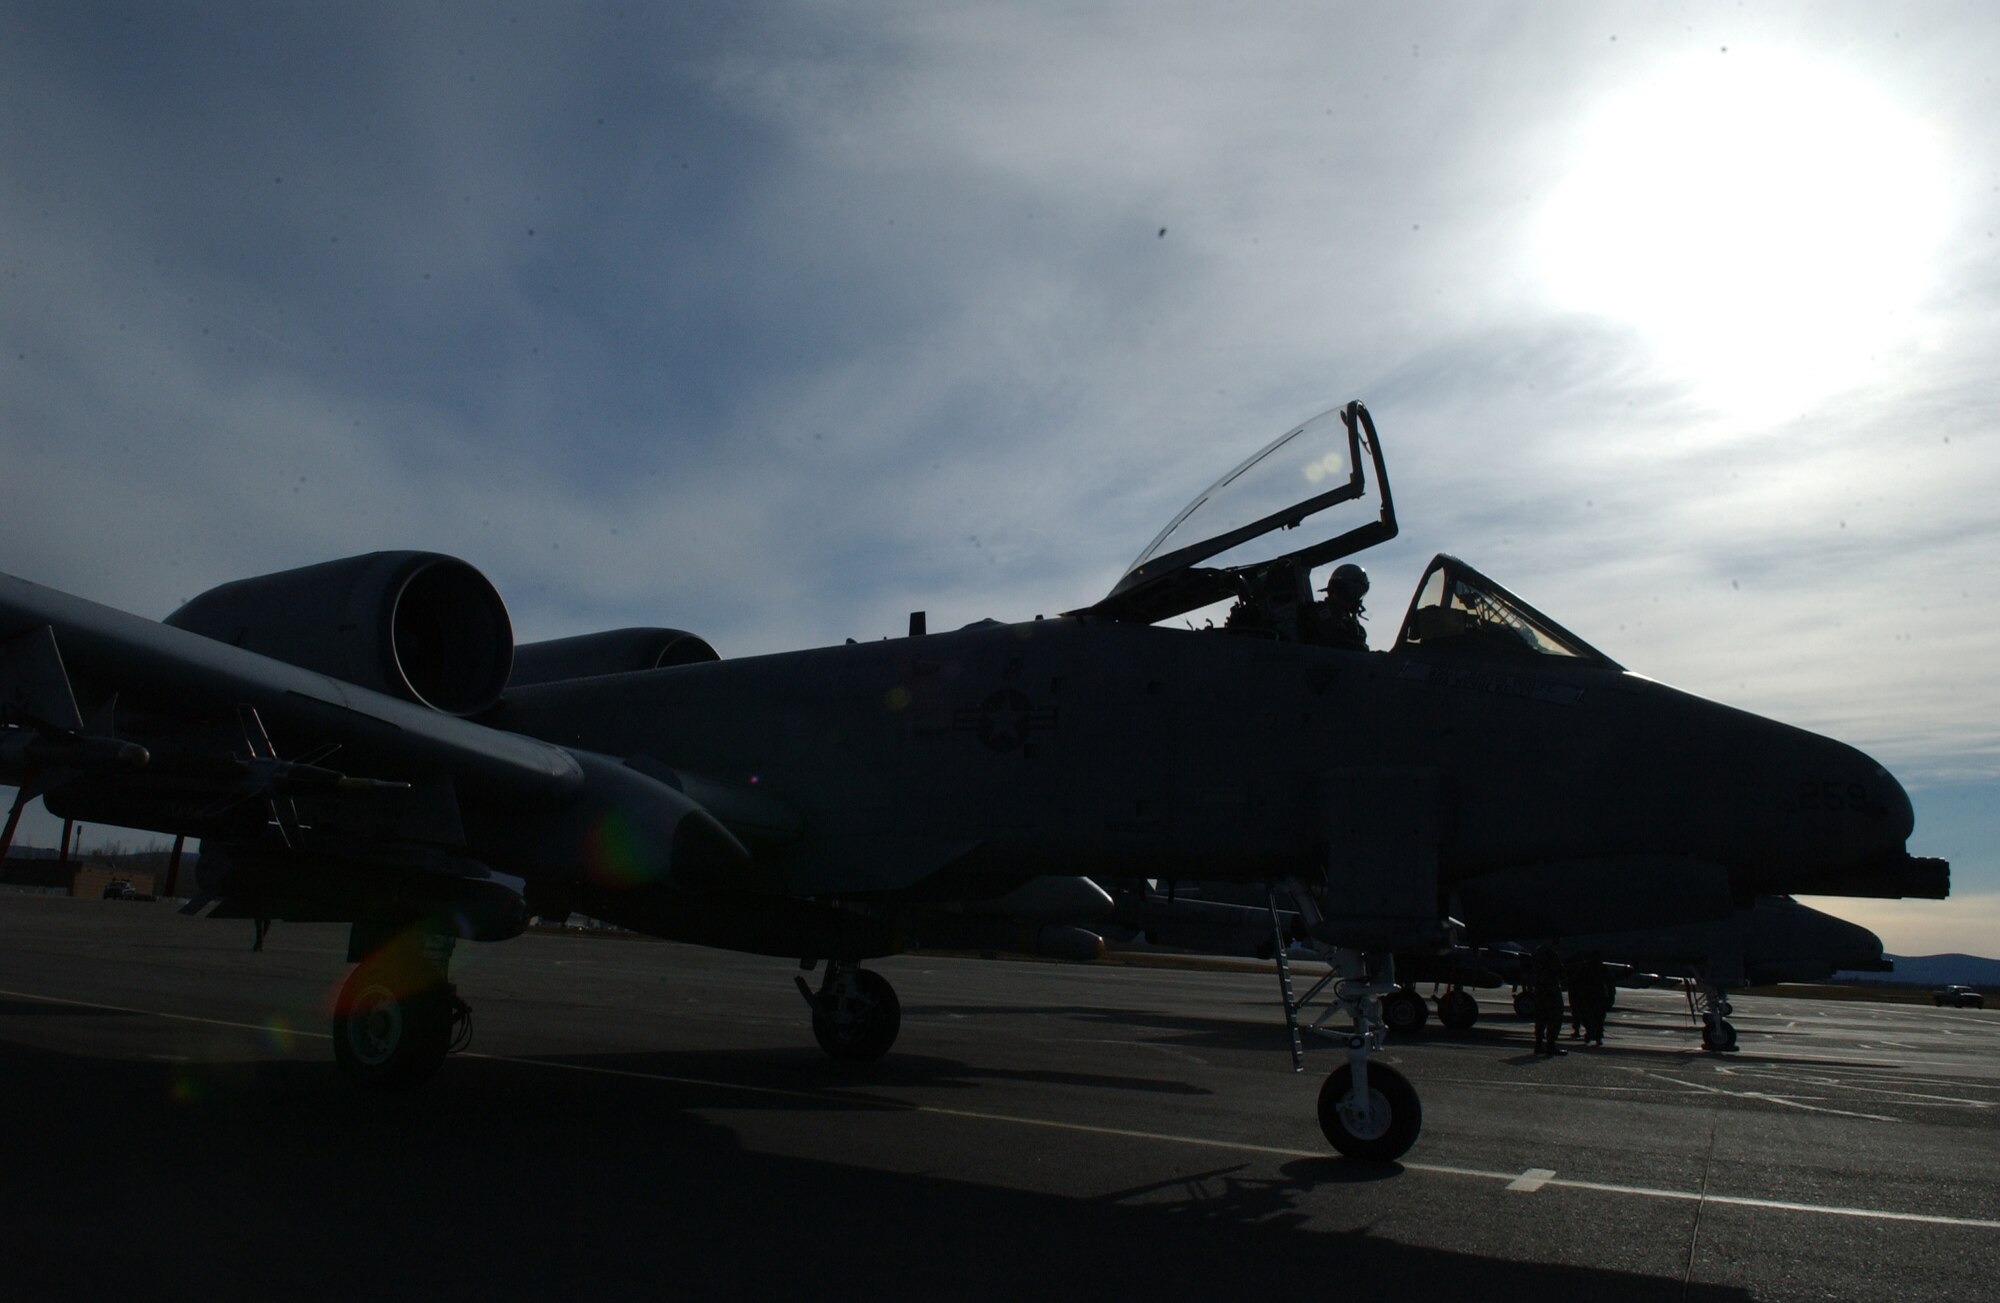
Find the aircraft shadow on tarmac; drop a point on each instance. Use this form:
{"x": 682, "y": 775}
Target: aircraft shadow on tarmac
{"x": 1188, "y": 1031}
{"x": 509, "y": 1181}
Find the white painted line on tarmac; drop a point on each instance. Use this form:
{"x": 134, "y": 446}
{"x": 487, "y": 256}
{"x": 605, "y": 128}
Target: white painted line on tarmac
{"x": 1787, "y": 1101}
{"x": 1052, "y": 1124}
{"x": 1546, "y": 1084}
{"x": 155, "y": 1013}
{"x": 1531, "y": 1180}
{"x": 1862, "y": 1088}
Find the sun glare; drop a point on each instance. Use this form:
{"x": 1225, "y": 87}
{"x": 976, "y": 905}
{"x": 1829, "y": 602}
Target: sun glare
{"x": 1768, "y": 226}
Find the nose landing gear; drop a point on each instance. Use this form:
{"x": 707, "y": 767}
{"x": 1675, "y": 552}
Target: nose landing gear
{"x": 1367, "y": 1110}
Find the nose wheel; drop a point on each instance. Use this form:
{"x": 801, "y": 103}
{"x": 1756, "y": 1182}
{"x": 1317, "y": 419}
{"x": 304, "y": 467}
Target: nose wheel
{"x": 1380, "y": 1126}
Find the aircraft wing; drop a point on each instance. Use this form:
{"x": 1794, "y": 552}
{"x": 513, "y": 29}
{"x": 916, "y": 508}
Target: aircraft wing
{"x": 316, "y": 797}
{"x": 154, "y": 668}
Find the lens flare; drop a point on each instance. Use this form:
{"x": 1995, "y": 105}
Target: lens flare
{"x": 621, "y": 851}
{"x": 279, "y": 1036}
{"x": 183, "y": 1087}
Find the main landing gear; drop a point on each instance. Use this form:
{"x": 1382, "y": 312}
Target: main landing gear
{"x": 855, "y": 1013}
{"x": 1403, "y": 1010}
{"x": 397, "y": 1016}
{"x": 1366, "y": 1110}
{"x": 1457, "y": 1009}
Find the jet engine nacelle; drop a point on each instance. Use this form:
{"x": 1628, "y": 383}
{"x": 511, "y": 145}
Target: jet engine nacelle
{"x": 615, "y": 651}
{"x": 417, "y": 625}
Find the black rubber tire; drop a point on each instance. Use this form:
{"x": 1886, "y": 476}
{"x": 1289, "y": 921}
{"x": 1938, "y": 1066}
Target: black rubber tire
{"x": 1405, "y": 1011}
{"x": 870, "y": 1028}
{"x": 391, "y": 1025}
{"x": 1458, "y": 1010}
{"x": 1393, "y": 1133}
{"x": 1524, "y": 1005}
{"x": 1720, "y": 1039}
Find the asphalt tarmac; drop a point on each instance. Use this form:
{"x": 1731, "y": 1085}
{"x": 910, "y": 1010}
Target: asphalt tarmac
{"x": 639, "y": 1119}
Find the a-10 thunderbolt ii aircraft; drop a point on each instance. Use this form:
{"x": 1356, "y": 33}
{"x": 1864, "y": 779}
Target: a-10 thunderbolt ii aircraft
{"x": 361, "y": 741}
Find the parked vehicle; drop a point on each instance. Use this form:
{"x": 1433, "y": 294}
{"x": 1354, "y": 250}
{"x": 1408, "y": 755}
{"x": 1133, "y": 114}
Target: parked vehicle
{"x": 1958, "y": 997}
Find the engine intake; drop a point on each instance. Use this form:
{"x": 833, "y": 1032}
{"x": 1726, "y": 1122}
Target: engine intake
{"x": 418, "y": 625}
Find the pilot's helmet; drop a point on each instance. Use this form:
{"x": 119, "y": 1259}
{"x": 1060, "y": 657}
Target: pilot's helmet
{"x": 1349, "y": 581}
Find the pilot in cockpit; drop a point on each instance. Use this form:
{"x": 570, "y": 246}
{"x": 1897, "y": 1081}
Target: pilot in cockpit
{"x": 1336, "y": 622}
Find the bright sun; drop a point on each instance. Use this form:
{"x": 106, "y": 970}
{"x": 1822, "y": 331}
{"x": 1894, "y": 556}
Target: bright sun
{"x": 1767, "y": 225}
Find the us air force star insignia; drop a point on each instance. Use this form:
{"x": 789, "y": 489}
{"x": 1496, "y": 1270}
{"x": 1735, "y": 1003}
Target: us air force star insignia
{"x": 1004, "y": 720}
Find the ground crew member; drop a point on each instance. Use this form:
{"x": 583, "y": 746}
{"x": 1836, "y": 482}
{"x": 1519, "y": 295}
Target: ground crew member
{"x": 1545, "y": 976}
{"x": 1588, "y": 988}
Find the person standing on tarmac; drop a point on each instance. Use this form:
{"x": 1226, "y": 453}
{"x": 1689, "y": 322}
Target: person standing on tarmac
{"x": 1579, "y": 1002}
{"x": 1588, "y": 988}
{"x": 1545, "y": 977}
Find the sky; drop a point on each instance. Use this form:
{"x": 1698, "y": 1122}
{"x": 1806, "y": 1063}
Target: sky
{"x": 777, "y": 322}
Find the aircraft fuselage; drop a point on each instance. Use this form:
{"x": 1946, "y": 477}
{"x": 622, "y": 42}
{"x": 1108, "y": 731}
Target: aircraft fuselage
{"x": 1078, "y": 745}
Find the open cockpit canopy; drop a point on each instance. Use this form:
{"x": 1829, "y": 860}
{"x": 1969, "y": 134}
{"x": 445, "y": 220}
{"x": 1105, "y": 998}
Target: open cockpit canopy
{"x": 1457, "y": 609}
{"x": 1279, "y": 507}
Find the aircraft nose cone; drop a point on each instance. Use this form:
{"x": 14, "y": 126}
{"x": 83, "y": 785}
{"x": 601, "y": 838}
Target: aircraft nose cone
{"x": 1854, "y": 822}
{"x": 1858, "y": 800}
{"x": 1859, "y": 949}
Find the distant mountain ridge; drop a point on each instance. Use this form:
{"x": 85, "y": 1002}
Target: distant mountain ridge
{"x": 1934, "y": 970}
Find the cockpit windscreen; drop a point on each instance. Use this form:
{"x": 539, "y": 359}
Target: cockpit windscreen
{"x": 1458, "y": 608}
{"x": 1289, "y": 477}
{"x": 1302, "y": 501}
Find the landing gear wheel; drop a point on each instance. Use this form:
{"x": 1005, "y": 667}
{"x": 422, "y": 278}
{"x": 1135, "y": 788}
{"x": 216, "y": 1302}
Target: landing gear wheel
{"x": 1719, "y": 1038}
{"x": 1405, "y": 1011}
{"x": 1524, "y": 1005}
{"x": 1390, "y": 1126}
{"x": 1724, "y": 1008}
{"x": 391, "y": 1027}
{"x": 1457, "y": 1010}
{"x": 863, "y": 1025}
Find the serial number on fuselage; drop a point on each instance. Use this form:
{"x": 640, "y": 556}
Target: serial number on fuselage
{"x": 1835, "y": 796}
